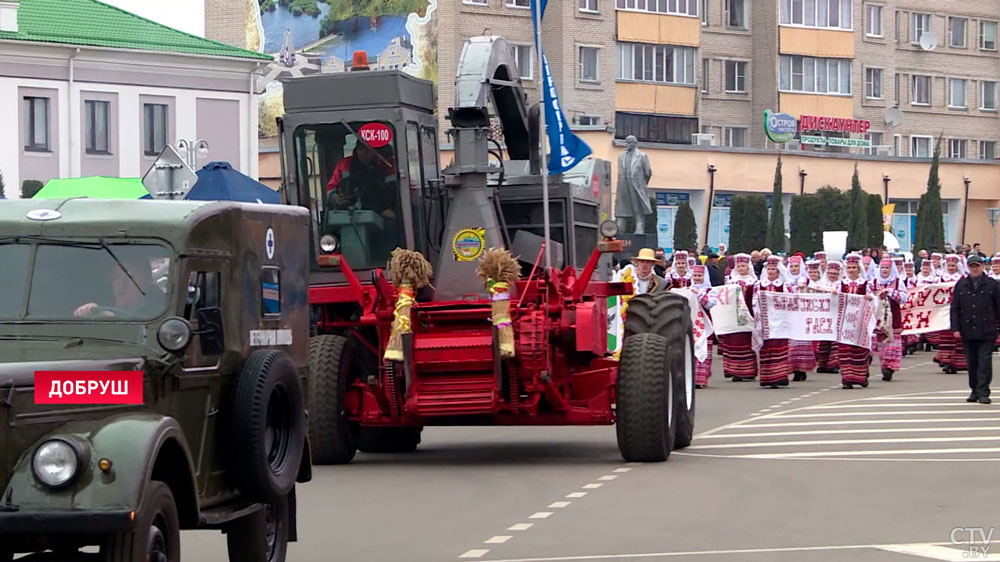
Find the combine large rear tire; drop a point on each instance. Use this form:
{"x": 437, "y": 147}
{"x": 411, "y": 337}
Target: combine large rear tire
{"x": 682, "y": 372}
{"x": 389, "y": 439}
{"x": 657, "y": 313}
{"x": 645, "y": 404}
{"x": 332, "y": 436}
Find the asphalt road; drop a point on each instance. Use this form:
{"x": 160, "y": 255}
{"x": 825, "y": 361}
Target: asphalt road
{"x": 807, "y": 473}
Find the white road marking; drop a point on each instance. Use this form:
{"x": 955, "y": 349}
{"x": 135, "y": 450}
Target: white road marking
{"x": 623, "y": 469}
{"x": 558, "y": 505}
{"x": 963, "y": 404}
{"x": 540, "y": 515}
{"x": 499, "y": 539}
{"x": 870, "y": 453}
{"x": 608, "y": 477}
{"x": 854, "y": 422}
{"x": 717, "y": 552}
{"x": 592, "y": 486}
{"x": 475, "y": 553}
{"x": 842, "y": 442}
{"x": 840, "y": 431}
{"x": 520, "y": 526}
{"x": 907, "y": 413}
{"x": 936, "y": 552}
{"x": 576, "y": 494}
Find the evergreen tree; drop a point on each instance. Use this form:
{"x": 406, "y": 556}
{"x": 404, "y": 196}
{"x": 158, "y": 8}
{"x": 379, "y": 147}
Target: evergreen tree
{"x": 857, "y": 225}
{"x": 685, "y": 228}
{"x": 776, "y": 225}
{"x": 876, "y": 227}
{"x": 805, "y": 227}
{"x": 755, "y": 222}
{"x": 834, "y": 209}
{"x": 737, "y": 217}
{"x": 3, "y": 188}
{"x": 930, "y": 221}
{"x": 29, "y": 188}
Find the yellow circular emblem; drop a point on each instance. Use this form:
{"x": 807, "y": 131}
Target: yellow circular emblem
{"x": 468, "y": 243}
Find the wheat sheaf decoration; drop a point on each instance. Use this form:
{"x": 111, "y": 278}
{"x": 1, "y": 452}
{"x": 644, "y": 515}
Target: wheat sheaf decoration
{"x": 498, "y": 269}
{"x": 409, "y": 270}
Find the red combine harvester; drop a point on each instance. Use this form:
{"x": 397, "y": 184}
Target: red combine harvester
{"x": 360, "y": 150}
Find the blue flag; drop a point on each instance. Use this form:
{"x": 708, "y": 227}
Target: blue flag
{"x": 565, "y": 148}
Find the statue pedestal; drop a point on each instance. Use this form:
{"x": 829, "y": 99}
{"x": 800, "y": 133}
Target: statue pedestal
{"x": 632, "y": 243}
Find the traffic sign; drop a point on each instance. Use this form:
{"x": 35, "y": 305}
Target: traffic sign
{"x": 993, "y": 213}
{"x": 169, "y": 177}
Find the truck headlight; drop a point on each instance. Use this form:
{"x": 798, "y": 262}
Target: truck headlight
{"x": 328, "y": 243}
{"x": 57, "y": 462}
{"x": 609, "y": 229}
{"x": 174, "y": 334}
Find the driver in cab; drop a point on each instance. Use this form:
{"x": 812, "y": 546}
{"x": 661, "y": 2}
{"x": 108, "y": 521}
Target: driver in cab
{"x": 363, "y": 175}
{"x": 136, "y": 296}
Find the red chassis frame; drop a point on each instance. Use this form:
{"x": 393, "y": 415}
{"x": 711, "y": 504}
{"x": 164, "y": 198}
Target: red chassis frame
{"x": 452, "y": 374}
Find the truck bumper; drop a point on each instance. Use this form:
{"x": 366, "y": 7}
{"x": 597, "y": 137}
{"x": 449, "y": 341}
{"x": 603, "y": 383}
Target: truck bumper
{"x": 49, "y": 522}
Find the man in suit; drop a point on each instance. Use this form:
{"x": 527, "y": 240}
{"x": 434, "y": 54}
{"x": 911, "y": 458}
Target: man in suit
{"x": 646, "y": 281}
{"x": 631, "y": 199}
{"x": 975, "y": 313}
{"x": 712, "y": 266}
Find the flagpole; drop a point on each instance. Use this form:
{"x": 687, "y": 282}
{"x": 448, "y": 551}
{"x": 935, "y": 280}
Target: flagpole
{"x": 542, "y": 138}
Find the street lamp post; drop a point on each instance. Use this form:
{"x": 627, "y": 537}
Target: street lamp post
{"x": 191, "y": 151}
{"x": 993, "y": 213}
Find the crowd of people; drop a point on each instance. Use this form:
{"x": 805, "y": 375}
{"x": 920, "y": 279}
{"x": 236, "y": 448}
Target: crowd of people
{"x": 875, "y": 273}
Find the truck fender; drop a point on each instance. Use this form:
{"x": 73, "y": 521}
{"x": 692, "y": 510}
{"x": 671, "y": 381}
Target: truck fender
{"x": 139, "y": 445}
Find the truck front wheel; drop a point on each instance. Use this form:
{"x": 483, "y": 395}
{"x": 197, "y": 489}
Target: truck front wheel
{"x": 156, "y": 535}
{"x": 332, "y": 436}
{"x": 262, "y": 536}
{"x": 645, "y": 400}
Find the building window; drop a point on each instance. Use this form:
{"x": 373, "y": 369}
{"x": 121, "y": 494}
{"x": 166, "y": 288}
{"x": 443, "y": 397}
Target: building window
{"x": 988, "y": 96}
{"x": 676, "y": 7}
{"x": 588, "y": 6}
{"x": 956, "y": 32}
{"x": 588, "y": 64}
{"x": 664, "y": 64}
{"x": 588, "y": 120}
{"x": 96, "y": 126}
{"x": 475, "y": 2}
{"x": 987, "y": 150}
{"x": 704, "y": 75}
{"x": 956, "y": 148}
{"x": 736, "y": 137}
{"x": 876, "y": 140}
{"x": 988, "y": 35}
{"x": 704, "y": 12}
{"x": 815, "y": 76}
{"x": 270, "y": 291}
{"x": 921, "y": 90}
{"x": 518, "y": 3}
{"x": 920, "y": 146}
{"x": 957, "y": 93}
{"x": 155, "y": 130}
{"x": 736, "y": 14}
{"x": 832, "y": 14}
{"x": 897, "y": 27}
{"x": 921, "y": 25}
{"x": 655, "y": 128}
{"x": 736, "y": 76}
{"x": 525, "y": 61}
{"x": 873, "y": 83}
{"x": 873, "y": 22}
{"x": 36, "y": 124}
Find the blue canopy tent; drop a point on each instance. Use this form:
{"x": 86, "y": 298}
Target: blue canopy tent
{"x": 218, "y": 181}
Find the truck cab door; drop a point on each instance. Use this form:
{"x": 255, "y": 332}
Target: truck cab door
{"x": 423, "y": 170}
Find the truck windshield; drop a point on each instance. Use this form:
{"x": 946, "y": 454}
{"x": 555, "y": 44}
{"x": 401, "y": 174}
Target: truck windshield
{"x": 348, "y": 173}
{"x": 64, "y": 279}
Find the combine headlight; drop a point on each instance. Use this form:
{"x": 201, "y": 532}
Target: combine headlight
{"x": 57, "y": 462}
{"x": 609, "y": 229}
{"x": 328, "y": 243}
{"x": 174, "y": 334}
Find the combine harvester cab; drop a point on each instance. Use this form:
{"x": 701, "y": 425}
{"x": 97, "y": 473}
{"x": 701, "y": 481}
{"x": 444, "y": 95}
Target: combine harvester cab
{"x": 523, "y": 345}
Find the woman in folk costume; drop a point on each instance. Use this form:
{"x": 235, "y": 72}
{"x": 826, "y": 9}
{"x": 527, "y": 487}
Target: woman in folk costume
{"x": 853, "y": 359}
{"x": 774, "y": 364}
{"x": 936, "y": 266}
{"x": 813, "y": 273}
{"x": 868, "y": 266}
{"x": 951, "y": 355}
{"x": 703, "y": 288}
{"x": 887, "y": 286}
{"x": 912, "y": 342}
{"x": 995, "y": 267}
{"x": 927, "y": 276}
{"x": 821, "y": 256}
{"x": 679, "y": 275}
{"x": 826, "y": 351}
{"x": 739, "y": 361}
{"x": 801, "y": 354}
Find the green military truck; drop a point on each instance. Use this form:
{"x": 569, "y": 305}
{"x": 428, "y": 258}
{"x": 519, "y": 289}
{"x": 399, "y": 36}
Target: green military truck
{"x": 204, "y": 306}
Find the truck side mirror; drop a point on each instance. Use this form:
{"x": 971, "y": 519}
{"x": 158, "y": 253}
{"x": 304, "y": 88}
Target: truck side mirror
{"x": 209, "y": 330}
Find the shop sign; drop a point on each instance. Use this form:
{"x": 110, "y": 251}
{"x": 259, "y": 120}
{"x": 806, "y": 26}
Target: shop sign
{"x": 668, "y": 199}
{"x": 833, "y": 124}
{"x": 780, "y": 127}
{"x": 836, "y": 141}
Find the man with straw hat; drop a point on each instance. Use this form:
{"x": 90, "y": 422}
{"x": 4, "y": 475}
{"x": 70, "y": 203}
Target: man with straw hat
{"x": 645, "y": 280}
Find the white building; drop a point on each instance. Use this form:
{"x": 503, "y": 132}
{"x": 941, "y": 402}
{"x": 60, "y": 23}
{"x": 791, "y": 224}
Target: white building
{"x": 95, "y": 90}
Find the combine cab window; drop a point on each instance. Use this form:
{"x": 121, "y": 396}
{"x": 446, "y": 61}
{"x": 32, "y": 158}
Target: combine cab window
{"x": 351, "y": 178}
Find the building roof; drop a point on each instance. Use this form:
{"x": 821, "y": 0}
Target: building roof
{"x": 95, "y": 24}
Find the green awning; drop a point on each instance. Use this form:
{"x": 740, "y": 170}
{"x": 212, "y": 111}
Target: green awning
{"x": 94, "y": 187}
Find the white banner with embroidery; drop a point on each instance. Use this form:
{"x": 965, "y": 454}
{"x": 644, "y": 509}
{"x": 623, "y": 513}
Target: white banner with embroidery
{"x": 927, "y": 309}
{"x": 839, "y": 317}
{"x": 731, "y": 315}
{"x": 701, "y": 324}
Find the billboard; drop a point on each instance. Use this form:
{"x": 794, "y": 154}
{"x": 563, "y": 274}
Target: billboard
{"x": 313, "y": 36}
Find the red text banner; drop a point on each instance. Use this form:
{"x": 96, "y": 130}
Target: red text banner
{"x": 88, "y": 387}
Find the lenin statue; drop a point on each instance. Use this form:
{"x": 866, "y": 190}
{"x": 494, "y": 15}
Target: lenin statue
{"x": 631, "y": 199}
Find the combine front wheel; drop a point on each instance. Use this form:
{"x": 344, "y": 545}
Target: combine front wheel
{"x": 645, "y": 416}
{"x": 331, "y": 365}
